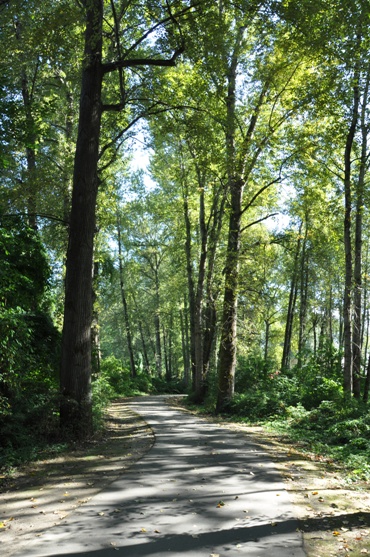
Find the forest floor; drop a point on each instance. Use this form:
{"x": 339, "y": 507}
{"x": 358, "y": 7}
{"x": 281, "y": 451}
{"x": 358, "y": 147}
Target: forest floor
{"x": 334, "y": 515}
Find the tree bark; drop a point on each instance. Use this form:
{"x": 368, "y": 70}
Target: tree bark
{"x": 189, "y": 272}
{"x": 347, "y": 299}
{"x": 75, "y": 375}
{"x": 285, "y": 362}
{"x": 357, "y": 271}
{"x": 303, "y": 295}
{"x": 124, "y": 303}
{"x": 227, "y": 353}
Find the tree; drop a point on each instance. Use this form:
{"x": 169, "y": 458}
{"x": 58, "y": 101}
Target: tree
{"x": 76, "y": 402}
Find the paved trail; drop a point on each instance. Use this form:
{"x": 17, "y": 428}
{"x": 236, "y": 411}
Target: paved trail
{"x": 200, "y": 491}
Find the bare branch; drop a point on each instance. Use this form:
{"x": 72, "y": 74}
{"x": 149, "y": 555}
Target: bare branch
{"x": 258, "y": 221}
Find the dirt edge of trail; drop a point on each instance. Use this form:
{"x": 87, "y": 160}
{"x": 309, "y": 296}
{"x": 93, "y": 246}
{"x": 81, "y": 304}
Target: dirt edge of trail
{"x": 41, "y": 494}
{"x": 333, "y": 515}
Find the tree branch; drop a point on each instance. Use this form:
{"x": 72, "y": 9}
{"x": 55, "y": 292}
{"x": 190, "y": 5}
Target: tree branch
{"x": 257, "y": 221}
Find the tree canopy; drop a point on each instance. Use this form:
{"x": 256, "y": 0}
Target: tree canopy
{"x": 184, "y": 204}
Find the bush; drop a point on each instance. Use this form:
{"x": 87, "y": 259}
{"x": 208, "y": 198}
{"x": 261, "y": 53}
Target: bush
{"x": 255, "y": 405}
{"x": 120, "y": 381}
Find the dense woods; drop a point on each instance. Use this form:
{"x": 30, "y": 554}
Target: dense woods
{"x": 184, "y": 207}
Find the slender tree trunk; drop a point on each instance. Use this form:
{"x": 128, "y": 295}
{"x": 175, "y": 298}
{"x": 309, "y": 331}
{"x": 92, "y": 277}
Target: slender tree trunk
{"x": 357, "y": 271}
{"x": 143, "y": 344}
{"x": 347, "y": 300}
{"x": 124, "y": 303}
{"x": 66, "y": 171}
{"x": 267, "y": 341}
{"x": 212, "y": 290}
{"x": 95, "y": 329}
{"x": 184, "y": 350}
{"x": 303, "y": 293}
{"x": 185, "y": 335}
{"x": 30, "y": 136}
{"x": 285, "y": 362}
{"x": 199, "y": 390}
{"x": 166, "y": 355}
{"x": 157, "y": 325}
{"x": 191, "y": 290}
{"x": 75, "y": 375}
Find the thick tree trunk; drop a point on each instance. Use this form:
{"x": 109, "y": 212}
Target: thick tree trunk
{"x": 75, "y": 376}
{"x": 227, "y": 353}
{"x": 367, "y": 383}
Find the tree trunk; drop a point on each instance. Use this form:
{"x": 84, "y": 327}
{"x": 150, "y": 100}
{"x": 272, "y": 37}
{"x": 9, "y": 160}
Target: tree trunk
{"x": 367, "y": 383}
{"x": 198, "y": 325}
{"x": 347, "y": 299}
{"x": 285, "y": 362}
{"x": 191, "y": 292}
{"x": 124, "y": 303}
{"x": 30, "y": 136}
{"x": 75, "y": 376}
{"x": 357, "y": 271}
{"x": 157, "y": 326}
{"x": 227, "y": 353}
{"x": 145, "y": 352}
{"x": 212, "y": 291}
{"x": 303, "y": 294}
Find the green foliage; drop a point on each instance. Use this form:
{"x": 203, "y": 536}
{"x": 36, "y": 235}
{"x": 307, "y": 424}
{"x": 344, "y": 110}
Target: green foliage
{"x": 336, "y": 429}
{"x": 29, "y": 346}
{"x": 115, "y": 380}
{"x": 261, "y": 390}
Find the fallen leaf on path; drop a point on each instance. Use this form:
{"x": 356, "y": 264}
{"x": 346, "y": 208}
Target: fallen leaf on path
{"x": 2, "y": 525}
{"x": 335, "y": 533}
{"x": 101, "y": 514}
{"x": 214, "y": 555}
{"x": 143, "y": 530}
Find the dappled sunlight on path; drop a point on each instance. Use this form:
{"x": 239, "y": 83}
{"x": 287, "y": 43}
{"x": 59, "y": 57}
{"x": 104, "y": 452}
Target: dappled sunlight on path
{"x": 201, "y": 490}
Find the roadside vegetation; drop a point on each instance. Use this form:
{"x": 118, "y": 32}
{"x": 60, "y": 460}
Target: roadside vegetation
{"x": 199, "y": 224}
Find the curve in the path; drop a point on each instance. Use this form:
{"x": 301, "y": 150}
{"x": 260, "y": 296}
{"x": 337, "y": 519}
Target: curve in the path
{"x": 201, "y": 491}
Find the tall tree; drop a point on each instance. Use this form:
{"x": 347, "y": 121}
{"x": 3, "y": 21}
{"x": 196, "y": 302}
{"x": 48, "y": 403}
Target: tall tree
{"x": 76, "y": 404}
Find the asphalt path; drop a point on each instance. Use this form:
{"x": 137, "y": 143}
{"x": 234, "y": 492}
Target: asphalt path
{"x": 201, "y": 491}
